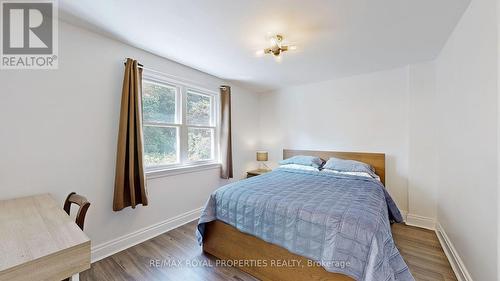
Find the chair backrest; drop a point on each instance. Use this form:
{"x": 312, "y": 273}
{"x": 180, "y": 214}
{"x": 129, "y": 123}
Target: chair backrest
{"x": 81, "y": 201}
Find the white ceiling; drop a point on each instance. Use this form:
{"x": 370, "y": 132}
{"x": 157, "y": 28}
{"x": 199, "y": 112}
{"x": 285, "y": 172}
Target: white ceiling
{"x": 335, "y": 38}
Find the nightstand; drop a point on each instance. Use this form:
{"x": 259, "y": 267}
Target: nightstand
{"x": 257, "y": 172}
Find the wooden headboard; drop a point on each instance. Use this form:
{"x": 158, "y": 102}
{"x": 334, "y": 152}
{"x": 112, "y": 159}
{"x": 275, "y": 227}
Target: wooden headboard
{"x": 376, "y": 160}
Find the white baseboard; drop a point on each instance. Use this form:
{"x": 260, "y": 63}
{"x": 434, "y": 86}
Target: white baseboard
{"x": 420, "y": 221}
{"x": 456, "y": 262}
{"x": 126, "y": 241}
{"x": 403, "y": 214}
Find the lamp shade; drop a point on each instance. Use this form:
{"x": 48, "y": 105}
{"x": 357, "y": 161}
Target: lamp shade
{"x": 261, "y": 155}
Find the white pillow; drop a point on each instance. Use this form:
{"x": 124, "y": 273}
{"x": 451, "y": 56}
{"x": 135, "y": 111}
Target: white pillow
{"x": 299, "y": 167}
{"x": 359, "y": 174}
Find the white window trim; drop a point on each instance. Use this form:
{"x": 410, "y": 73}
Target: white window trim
{"x": 184, "y": 165}
{"x": 160, "y": 173}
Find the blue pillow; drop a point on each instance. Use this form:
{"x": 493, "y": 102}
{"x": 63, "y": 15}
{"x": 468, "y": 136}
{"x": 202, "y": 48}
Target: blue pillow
{"x": 342, "y": 165}
{"x": 315, "y": 162}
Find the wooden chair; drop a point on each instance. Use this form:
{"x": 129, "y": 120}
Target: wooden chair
{"x": 84, "y": 204}
{"x": 81, "y": 201}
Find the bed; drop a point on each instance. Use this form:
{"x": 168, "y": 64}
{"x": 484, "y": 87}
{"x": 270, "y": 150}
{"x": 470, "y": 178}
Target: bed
{"x": 306, "y": 225}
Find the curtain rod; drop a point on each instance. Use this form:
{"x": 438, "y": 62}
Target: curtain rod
{"x": 138, "y": 64}
{"x": 194, "y": 83}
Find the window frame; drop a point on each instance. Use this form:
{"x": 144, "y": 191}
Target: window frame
{"x": 182, "y": 90}
{"x": 213, "y": 125}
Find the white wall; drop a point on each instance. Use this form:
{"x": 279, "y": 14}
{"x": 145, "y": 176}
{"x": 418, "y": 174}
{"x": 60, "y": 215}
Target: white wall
{"x": 422, "y": 189}
{"x": 498, "y": 141}
{"x": 467, "y": 125}
{"x": 437, "y": 123}
{"x": 362, "y": 113}
{"x": 59, "y": 132}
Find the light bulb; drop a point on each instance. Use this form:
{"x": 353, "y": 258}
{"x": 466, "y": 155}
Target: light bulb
{"x": 273, "y": 42}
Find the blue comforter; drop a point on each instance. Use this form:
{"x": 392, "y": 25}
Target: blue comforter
{"x": 341, "y": 222}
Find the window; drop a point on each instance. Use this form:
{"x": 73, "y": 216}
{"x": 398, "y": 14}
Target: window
{"x": 179, "y": 124}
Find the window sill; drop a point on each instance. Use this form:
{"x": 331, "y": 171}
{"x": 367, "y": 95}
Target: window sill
{"x": 154, "y": 174}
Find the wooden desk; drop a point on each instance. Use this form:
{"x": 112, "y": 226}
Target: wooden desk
{"x": 39, "y": 241}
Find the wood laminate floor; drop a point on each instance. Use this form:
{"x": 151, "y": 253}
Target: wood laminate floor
{"x": 176, "y": 255}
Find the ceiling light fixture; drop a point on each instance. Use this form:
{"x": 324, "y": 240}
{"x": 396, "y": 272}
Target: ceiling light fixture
{"x": 277, "y": 47}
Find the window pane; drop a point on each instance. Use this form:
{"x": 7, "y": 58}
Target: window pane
{"x": 160, "y": 145}
{"x": 200, "y": 142}
{"x": 198, "y": 109}
{"x": 158, "y": 103}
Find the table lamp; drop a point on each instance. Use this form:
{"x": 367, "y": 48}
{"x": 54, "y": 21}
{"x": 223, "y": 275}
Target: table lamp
{"x": 262, "y": 157}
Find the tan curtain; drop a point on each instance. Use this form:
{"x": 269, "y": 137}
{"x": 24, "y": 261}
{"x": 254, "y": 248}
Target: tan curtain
{"x": 130, "y": 188}
{"x": 225, "y": 133}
